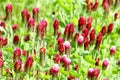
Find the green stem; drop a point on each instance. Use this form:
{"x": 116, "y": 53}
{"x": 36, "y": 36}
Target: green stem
{"x": 116, "y": 1}
{"x": 76, "y": 45}
{"x": 100, "y": 76}
{"x": 80, "y": 57}
{"x": 54, "y": 43}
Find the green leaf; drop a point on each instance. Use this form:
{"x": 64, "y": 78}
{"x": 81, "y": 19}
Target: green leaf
{"x": 63, "y": 71}
{"x": 74, "y": 73}
{"x": 89, "y": 59}
{"x": 3, "y": 72}
{"x": 115, "y": 71}
{"x": 26, "y": 46}
{"x": 47, "y": 77}
{"x": 102, "y": 46}
{"x": 74, "y": 20}
{"x": 114, "y": 36}
{"x": 41, "y": 75}
{"x": 9, "y": 49}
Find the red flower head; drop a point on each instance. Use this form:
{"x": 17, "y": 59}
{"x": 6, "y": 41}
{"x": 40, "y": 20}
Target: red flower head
{"x": 98, "y": 40}
{"x": 60, "y": 40}
{"x": 92, "y": 36}
{"x": 76, "y": 36}
{"x": 88, "y": 26}
{"x": 96, "y": 72}
{"x": 105, "y": 79}
{"x": 95, "y": 6}
{"x": 28, "y": 63}
{"x": 57, "y": 58}
{"x": 106, "y": 6}
{"x": 27, "y": 37}
{"x": 97, "y": 60}
{"x": 44, "y": 23}
{"x": 41, "y": 28}
{"x": 66, "y": 31}
{"x": 54, "y": 70}
{"x": 66, "y": 63}
{"x": 93, "y": 73}
{"x": 17, "y": 53}
{"x": 35, "y": 12}
{"x": 62, "y": 59}
{"x": 80, "y": 40}
{"x": 31, "y": 23}
{"x": 8, "y": 9}
{"x": 113, "y": 50}
{"x": 103, "y": 31}
{"x": 105, "y": 63}
{"x": 7, "y": 70}
{"x": 34, "y": 52}
{"x": 110, "y": 2}
{"x": 3, "y": 42}
{"x": 24, "y": 52}
{"x": 17, "y": 65}
{"x": 67, "y": 45}
{"x": 56, "y": 26}
{"x": 90, "y": 73}
{"x": 3, "y": 24}
{"x": 89, "y": 19}
{"x": 119, "y": 62}
{"x": 104, "y": 1}
{"x": 71, "y": 78}
{"x": 42, "y": 50}
{"x": 25, "y": 15}
{"x": 110, "y": 27}
{"x": 1, "y": 62}
{"x": 16, "y": 39}
{"x": 115, "y": 16}
{"x": 90, "y": 6}
{"x": 87, "y": 1}
{"x": 42, "y": 55}
{"x": 85, "y": 31}
{"x": 61, "y": 48}
{"x": 76, "y": 67}
{"x": 69, "y": 30}
{"x": 86, "y": 45}
{"x": 81, "y": 23}
{"x": 0, "y": 54}
{"x": 14, "y": 27}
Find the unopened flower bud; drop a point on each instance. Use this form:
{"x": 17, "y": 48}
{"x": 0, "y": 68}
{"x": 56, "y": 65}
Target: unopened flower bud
{"x": 14, "y": 27}
{"x": 105, "y": 63}
{"x": 17, "y": 65}
{"x": 16, "y": 39}
{"x": 56, "y": 26}
{"x": 81, "y": 23}
{"x": 28, "y": 63}
{"x": 25, "y": 15}
{"x": 54, "y": 70}
{"x": 103, "y": 31}
{"x": 113, "y": 50}
{"x": 35, "y": 12}
{"x": 110, "y": 27}
{"x": 80, "y": 40}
